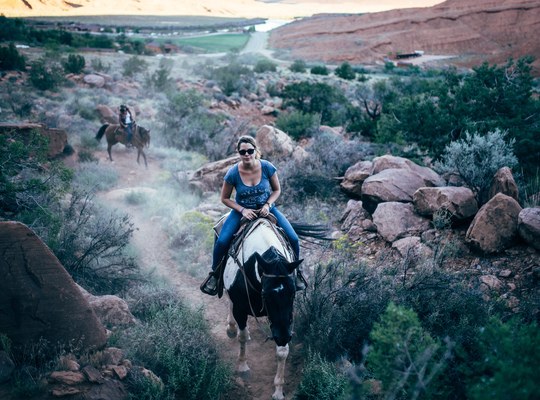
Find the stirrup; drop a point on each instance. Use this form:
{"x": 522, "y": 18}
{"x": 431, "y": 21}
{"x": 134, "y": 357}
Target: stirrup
{"x": 210, "y": 284}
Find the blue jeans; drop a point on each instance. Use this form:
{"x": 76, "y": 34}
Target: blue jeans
{"x": 231, "y": 226}
{"x": 129, "y": 132}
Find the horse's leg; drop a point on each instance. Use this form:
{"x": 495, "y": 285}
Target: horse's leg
{"x": 243, "y": 338}
{"x": 109, "y": 146}
{"x": 282, "y": 353}
{"x": 139, "y": 152}
{"x": 232, "y": 329}
{"x": 240, "y": 316}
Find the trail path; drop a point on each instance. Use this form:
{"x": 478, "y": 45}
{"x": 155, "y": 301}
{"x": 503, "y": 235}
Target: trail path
{"x": 152, "y": 245}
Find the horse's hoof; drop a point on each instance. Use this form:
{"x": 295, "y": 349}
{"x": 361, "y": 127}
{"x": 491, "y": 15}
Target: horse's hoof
{"x": 278, "y": 396}
{"x": 243, "y": 368}
{"x": 232, "y": 333}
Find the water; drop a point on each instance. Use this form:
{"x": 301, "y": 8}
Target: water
{"x": 271, "y": 24}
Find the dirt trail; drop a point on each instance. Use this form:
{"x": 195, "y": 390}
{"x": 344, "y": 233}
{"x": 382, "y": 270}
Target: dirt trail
{"x": 154, "y": 255}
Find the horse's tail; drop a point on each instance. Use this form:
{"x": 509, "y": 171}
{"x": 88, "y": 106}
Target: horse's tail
{"x": 320, "y": 232}
{"x": 101, "y": 131}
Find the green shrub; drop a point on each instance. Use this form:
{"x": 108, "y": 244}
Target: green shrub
{"x": 507, "y": 366}
{"x": 345, "y": 71}
{"x": 98, "y": 65}
{"x": 298, "y": 124}
{"x": 74, "y": 64}
{"x": 46, "y": 75}
{"x": 160, "y": 80}
{"x": 176, "y": 344}
{"x": 10, "y": 59}
{"x": 298, "y": 66}
{"x": 403, "y": 355}
{"x": 318, "y": 98}
{"x": 91, "y": 244}
{"x": 30, "y": 184}
{"x": 265, "y": 66}
{"x": 321, "y": 380}
{"x": 335, "y": 318}
{"x": 94, "y": 176}
{"x": 188, "y": 125}
{"x": 319, "y": 70}
{"x": 328, "y": 156}
{"x": 233, "y": 78}
{"x": 192, "y": 237}
{"x": 134, "y": 65}
{"x": 477, "y": 158}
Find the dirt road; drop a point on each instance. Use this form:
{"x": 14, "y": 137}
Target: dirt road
{"x": 154, "y": 255}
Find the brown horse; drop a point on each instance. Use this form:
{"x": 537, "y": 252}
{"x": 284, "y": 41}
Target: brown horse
{"x": 115, "y": 134}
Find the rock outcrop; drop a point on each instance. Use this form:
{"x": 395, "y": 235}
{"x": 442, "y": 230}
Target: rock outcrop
{"x": 495, "y": 226}
{"x": 529, "y": 226}
{"x": 483, "y": 30}
{"x": 458, "y": 201}
{"x": 209, "y": 177}
{"x": 57, "y": 137}
{"x": 38, "y": 298}
{"x": 398, "y": 220}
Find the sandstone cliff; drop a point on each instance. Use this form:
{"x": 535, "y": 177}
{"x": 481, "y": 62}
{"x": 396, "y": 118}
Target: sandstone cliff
{"x": 484, "y": 30}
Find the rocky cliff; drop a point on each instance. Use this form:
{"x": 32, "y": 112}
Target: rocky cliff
{"x": 472, "y": 32}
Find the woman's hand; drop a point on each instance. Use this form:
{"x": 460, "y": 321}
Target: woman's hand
{"x": 264, "y": 211}
{"x": 249, "y": 214}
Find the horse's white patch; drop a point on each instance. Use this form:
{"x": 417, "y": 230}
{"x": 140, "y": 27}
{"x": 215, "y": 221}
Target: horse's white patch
{"x": 279, "y": 288}
{"x": 259, "y": 240}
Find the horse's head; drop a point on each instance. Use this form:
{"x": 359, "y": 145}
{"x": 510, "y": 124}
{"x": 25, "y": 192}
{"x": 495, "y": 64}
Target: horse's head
{"x": 278, "y": 292}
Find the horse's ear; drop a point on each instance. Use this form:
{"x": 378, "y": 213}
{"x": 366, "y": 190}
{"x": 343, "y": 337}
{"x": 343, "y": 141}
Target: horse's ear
{"x": 295, "y": 264}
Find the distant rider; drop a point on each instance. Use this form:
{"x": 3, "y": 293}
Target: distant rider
{"x": 126, "y": 122}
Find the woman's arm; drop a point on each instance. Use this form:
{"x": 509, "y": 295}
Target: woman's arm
{"x": 276, "y": 189}
{"x": 276, "y": 192}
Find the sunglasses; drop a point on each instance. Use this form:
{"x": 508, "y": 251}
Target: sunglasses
{"x": 244, "y": 152}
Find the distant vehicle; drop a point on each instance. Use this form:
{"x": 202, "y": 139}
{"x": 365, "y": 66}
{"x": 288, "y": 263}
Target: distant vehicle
{"x": 416, "y": 53}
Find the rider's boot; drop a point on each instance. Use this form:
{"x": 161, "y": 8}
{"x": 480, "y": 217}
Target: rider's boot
{"x": 210, "y": 285}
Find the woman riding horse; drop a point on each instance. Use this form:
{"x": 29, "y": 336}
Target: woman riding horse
{"x": 257, "y": 188}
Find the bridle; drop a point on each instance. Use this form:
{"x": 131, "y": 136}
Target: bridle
{"x": 249, "y": 285}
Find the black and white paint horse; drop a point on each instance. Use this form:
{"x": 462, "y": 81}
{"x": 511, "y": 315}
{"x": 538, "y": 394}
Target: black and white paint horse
{"x": 260, "y": 281}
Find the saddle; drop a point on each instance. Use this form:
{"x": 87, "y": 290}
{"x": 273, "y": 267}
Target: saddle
{"x": 239, "y": 236}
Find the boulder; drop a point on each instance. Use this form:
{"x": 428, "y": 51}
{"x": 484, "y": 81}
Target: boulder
{"x": 274, "y": 143}
{"x": 38, "y": 298}
{"x": 494, "y": 227}
{"x": 355, "y": 177}
{"x": 412, "y": 247}
{"x": 356, "y": 220}
{"x": 106, "y": 114}
{"x": 111, "y": 310}
{"x": 94, "y": 80}
{"x": 390, "y": 185}
{"x": 459, "y": 201}
{"x": 529, "y": 226}
{"x": 430, "y": 177}
{"x": 396, "y": 220}
{"x": 503, "y": 182}
{"x": 57, "y": 137}
{"x": 209, "y": 177}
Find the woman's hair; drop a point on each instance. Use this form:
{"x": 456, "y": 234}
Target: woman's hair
{"x": 249, "y": 140}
